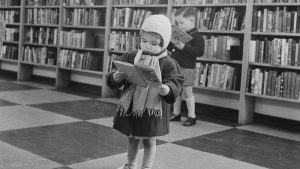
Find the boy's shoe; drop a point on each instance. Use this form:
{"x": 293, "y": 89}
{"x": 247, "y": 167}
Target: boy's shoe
{"x": 175, "y": 117}
{"x": 125, "y": 166}
{"x": 190, "y": 121}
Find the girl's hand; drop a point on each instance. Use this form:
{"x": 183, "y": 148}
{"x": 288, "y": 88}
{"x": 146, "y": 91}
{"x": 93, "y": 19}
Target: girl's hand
{"x": 179, "y": 45}
{"x": 119, "y": 76}
{"x": 164, "y": 90}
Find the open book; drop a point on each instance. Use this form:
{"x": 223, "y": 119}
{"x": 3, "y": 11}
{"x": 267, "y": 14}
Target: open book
{"x": 139, "y": 74}
{"x": 178, "y": 35}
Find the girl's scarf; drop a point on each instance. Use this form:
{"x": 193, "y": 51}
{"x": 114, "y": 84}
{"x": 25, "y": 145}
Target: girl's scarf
{"x": 144, "y": 99}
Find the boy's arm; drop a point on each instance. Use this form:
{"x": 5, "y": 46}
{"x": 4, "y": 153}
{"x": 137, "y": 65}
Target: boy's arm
{"x": 197, "y": 47}
{"x": 173, "y": 78}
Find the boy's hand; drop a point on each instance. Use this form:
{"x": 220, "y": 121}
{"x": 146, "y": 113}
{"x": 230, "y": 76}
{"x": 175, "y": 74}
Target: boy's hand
{"x": 119, "y": 76}
{"x": 164, "y": 90}
{"x": 179, "y": 45}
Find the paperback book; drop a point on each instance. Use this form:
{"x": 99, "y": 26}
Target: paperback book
{"x": 178, "y": 35}
{"x": 139, "y": 74}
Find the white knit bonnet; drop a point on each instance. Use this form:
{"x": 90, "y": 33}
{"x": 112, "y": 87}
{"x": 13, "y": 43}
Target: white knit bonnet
{"x": 159, "y": 24}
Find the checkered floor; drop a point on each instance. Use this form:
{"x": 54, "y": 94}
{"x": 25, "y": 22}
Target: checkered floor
{"x": 42, "y": 128}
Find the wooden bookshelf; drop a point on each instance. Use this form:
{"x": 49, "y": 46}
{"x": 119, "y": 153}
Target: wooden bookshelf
{"x": 11, "y": 47}
{"x": 240, "y": 98}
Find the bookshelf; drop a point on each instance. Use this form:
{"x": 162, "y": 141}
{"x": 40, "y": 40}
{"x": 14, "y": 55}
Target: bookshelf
{"x": 101, "y": 30}
{"x": 273, "y": 76}
{"x": 11, "y": 11}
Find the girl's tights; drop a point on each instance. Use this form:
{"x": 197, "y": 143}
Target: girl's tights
{"x": 149, "y": 152}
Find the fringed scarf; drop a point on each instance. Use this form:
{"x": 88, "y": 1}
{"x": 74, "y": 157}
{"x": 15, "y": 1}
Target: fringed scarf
{"x": 144, "y": 99}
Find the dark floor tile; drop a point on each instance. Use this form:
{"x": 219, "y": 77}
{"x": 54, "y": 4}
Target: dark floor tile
{"x": 84, "y": 109}
{"x": 6, "y": 103}
{"x": 79, "y": 92}
{"x": 10, "y": 86}
{"x": 68, "y": 143}
{"x": 259, "y": 149}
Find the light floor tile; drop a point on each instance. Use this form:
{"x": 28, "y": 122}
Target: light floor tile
{"x": 110, "y": 100}
{"x": 177, "y": 130}
{"x": 38, "y": 96}
{"x": 35, "y": 84}
{"x": 170, "y": 156}
{"x": 103, "y": 121}
{"x": 16, "y": 117}
{"x": 12, "y": 157}
{"x": 268, "y": 130}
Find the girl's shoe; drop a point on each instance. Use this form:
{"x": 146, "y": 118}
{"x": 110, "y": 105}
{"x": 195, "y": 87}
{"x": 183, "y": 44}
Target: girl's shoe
{"x": 125, "y": 166}
{"x": 175, "y": 117}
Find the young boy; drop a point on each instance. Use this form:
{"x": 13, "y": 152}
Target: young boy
{"x": 185, "y": 55}
{"x": 143, "y": 112}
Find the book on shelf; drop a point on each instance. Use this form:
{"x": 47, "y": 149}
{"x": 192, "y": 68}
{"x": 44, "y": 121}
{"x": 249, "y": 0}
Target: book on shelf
{"x": 178, "y": 35}
{"x": 139, "y": 74}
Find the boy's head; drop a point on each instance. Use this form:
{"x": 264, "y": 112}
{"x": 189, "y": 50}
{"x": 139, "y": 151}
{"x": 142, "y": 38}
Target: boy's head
{"x": 155, "y": 34}
{"x": 186, "y": 18}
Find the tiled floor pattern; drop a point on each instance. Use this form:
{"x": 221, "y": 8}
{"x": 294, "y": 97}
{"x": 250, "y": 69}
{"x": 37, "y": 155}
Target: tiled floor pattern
{"x": 42, "y": 128}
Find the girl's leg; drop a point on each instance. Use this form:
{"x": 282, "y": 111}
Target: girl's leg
{"x": 190, "y": 103}
{"x": 149, "y": 153}
{"x": 133, "y": 148}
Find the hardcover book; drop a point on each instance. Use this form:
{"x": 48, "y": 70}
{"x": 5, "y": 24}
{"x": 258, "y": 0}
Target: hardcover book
{"x": 178, "y": 35}
{"x": 141, "y": 75}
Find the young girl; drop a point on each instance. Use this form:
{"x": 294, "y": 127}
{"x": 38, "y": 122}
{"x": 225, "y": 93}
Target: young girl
{"x": 185, "y": 55}
{"x": 143, "y": 112}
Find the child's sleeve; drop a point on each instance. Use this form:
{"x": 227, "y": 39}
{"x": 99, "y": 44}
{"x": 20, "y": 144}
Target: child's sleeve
{"x": 196, "y": 47}
{"x": 173, "y": 77}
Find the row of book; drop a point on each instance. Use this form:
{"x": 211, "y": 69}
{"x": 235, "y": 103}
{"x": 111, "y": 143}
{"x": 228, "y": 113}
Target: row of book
{"x": 11, "y": 34}
{"x": 139, "y": 2}
{"x": 181, "y": 2}
{"x": 41, "y": 35}
{"x": 79, "y": 60}
{"x": 221, "y": 76}
{"x": 9, "y": 52}
{"x": 40, "y": 55}
{"x": 84, "y": 17}
{"x": 41, "y": 16}
{"x": 275, "y": 1}
{"x": 128, "y": 17}
{"x": 277, "y": 51}
{"x": 82, "y": 2}
{"x": 276, "y": 20}
{"x": 11, "y": 16}
{"x": 222, "y": 19}
{"x": 123, "y": 41}
{"x": 283, "y": 84}
{"x": 76, "y": 38}
{"x": 222, "y": 47}
{"x": 10, "y": 3}
{"x": 42, "y": 3}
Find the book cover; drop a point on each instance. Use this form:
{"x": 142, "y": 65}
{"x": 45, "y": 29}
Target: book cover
{"x": 178, "y": 35}
{"x": 139, "y": 74}
{"x": 132, "y": 74}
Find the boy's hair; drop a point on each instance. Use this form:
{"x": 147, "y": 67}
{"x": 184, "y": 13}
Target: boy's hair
{"x": 187, "y": 12}
{"x": 161, "y": 44}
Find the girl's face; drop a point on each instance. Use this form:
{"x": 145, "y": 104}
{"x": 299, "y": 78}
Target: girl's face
{"x": 150, "y": 42}
{"x": 185, "y": 23}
